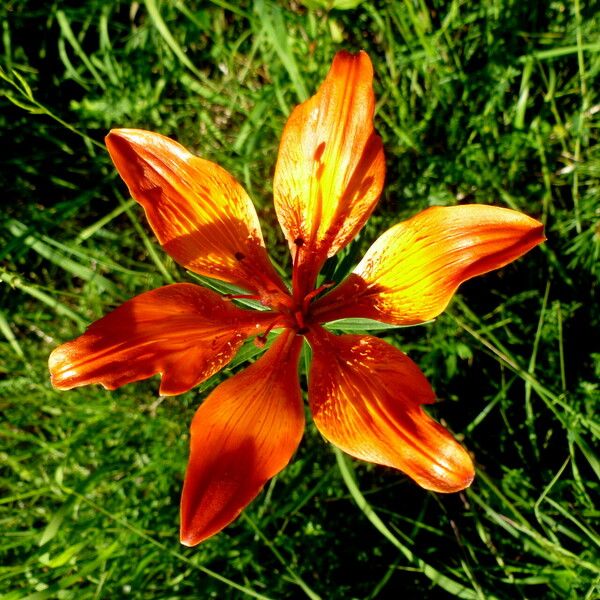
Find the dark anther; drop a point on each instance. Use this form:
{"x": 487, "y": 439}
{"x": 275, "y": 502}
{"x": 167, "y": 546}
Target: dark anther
{"x": 240, "y": 255}
{"x": 299, "y": 242}
{"x": 260, "y": 341}
{"x": 319, "y": 151}
{"x": 302, "y": 330}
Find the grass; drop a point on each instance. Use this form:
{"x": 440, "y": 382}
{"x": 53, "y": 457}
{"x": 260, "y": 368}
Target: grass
{"x": 492, "y": 102}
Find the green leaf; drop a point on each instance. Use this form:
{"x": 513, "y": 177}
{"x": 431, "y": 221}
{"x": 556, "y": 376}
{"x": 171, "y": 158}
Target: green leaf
{"x": 332, "y": 4}
{"x": 354, "y": 325}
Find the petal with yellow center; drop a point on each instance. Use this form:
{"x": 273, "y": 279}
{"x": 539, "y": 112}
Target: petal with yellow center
{"x": 365, "y": 397}
{"x": 183, "y": 331}
{"x": 330, "y": 168}
{"x": 243, "y": 434}
{"x": 200, "y": 214}
{"x": 411, "y": 272}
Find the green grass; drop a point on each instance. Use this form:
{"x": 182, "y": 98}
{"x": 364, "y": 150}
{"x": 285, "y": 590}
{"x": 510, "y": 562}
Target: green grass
{"x": 493, "y": 102}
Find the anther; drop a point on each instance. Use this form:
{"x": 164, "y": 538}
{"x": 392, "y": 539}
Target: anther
{"x": 314, "y": 293}
{"x": 261, "y": 340}
{"x": 319, "y": 152}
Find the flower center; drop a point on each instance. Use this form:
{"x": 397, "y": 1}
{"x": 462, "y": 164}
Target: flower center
{"x": 297, "y": 316}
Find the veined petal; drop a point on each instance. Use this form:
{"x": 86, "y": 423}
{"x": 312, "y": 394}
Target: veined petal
{"x": 411, "y": 272}
{"x": 183, "y": 331}
{"x": 330, "y": 168}
{"x": 243, "y": 434}
{"x": 200, "y": 214}
{"x": 365, "y": 397}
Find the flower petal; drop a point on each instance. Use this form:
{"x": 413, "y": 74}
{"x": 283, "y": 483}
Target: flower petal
{"x": 365, "y": 397}
{"x": 200, "y": 214}
{"x": 183, "y": 331}
{"x": 411, "y": 272}
{"x": 243, "y": 434}
{"x": 330, "y": 168}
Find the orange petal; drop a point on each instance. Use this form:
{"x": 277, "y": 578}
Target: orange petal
{"x": 183, "y": 331}
{"x": 243, "y": 434}
{"x": 330, "y": 168}
{"x": 411, "y": 272}
{"x": 365, "y": 397}
{"x": 200, "y": 214}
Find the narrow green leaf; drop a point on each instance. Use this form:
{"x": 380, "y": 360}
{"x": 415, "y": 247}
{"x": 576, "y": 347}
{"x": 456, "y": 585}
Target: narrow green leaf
{"x": 6, "y": 330}
{"x": 353, "y": 325}
{"x": 274, "y": 29}
{"x": 166, "y": 34}
{"x": 453, "y": 587}
{"x": 67, "y": 32}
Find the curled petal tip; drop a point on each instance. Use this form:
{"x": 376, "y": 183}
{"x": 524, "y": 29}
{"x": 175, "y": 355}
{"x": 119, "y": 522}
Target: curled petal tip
{"x": 138, "y": 140}
{"x": 361, "y": 55}
{"x": 467, "y": 481}
{"x": 127, "y": 134}
{"x": 62, "y": 372}
{"x": 540, "y": 233}
{"x": 453, "y": 471}
{"x": 112, "y": 134}
{"x": 187, "y": 538}
{"x": 116, "y": 136}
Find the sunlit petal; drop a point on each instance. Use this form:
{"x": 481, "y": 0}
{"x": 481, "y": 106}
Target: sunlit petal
{"x": 330, "y": 168}
{"x": 243, "y": 434}
{"x": 365, "y": 397}
{"x": 411, "y": 272}
{"x": 183, "y": 331}
{"x": 200, "y": 214}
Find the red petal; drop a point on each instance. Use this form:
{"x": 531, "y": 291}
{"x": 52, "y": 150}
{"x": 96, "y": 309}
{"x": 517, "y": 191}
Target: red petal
{"x": 365, "y": 397}
{"x": 330, "y": 168}
{"x": 243, "y": 434}
{"x": 183, "y": 331}
{"x": 411, "y": 272}
{"x": 200, "y": 214}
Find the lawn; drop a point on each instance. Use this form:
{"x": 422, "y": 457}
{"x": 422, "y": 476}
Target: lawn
{"x": 477, "y": 102}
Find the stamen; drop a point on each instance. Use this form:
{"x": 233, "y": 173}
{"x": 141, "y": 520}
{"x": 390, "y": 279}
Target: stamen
{"x": 299, "y": 242}
{"x": 241, "y": 297}
{"x": 314, "y": 293}
{"x": 261, "y": 340}
{"x": 300, "y": 319}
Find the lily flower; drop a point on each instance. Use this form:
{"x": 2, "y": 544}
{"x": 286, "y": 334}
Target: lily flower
{"x": 365, "y": 395}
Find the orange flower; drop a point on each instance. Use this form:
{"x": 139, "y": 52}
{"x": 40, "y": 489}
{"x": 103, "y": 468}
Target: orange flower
{"x": 365, "y": 395}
